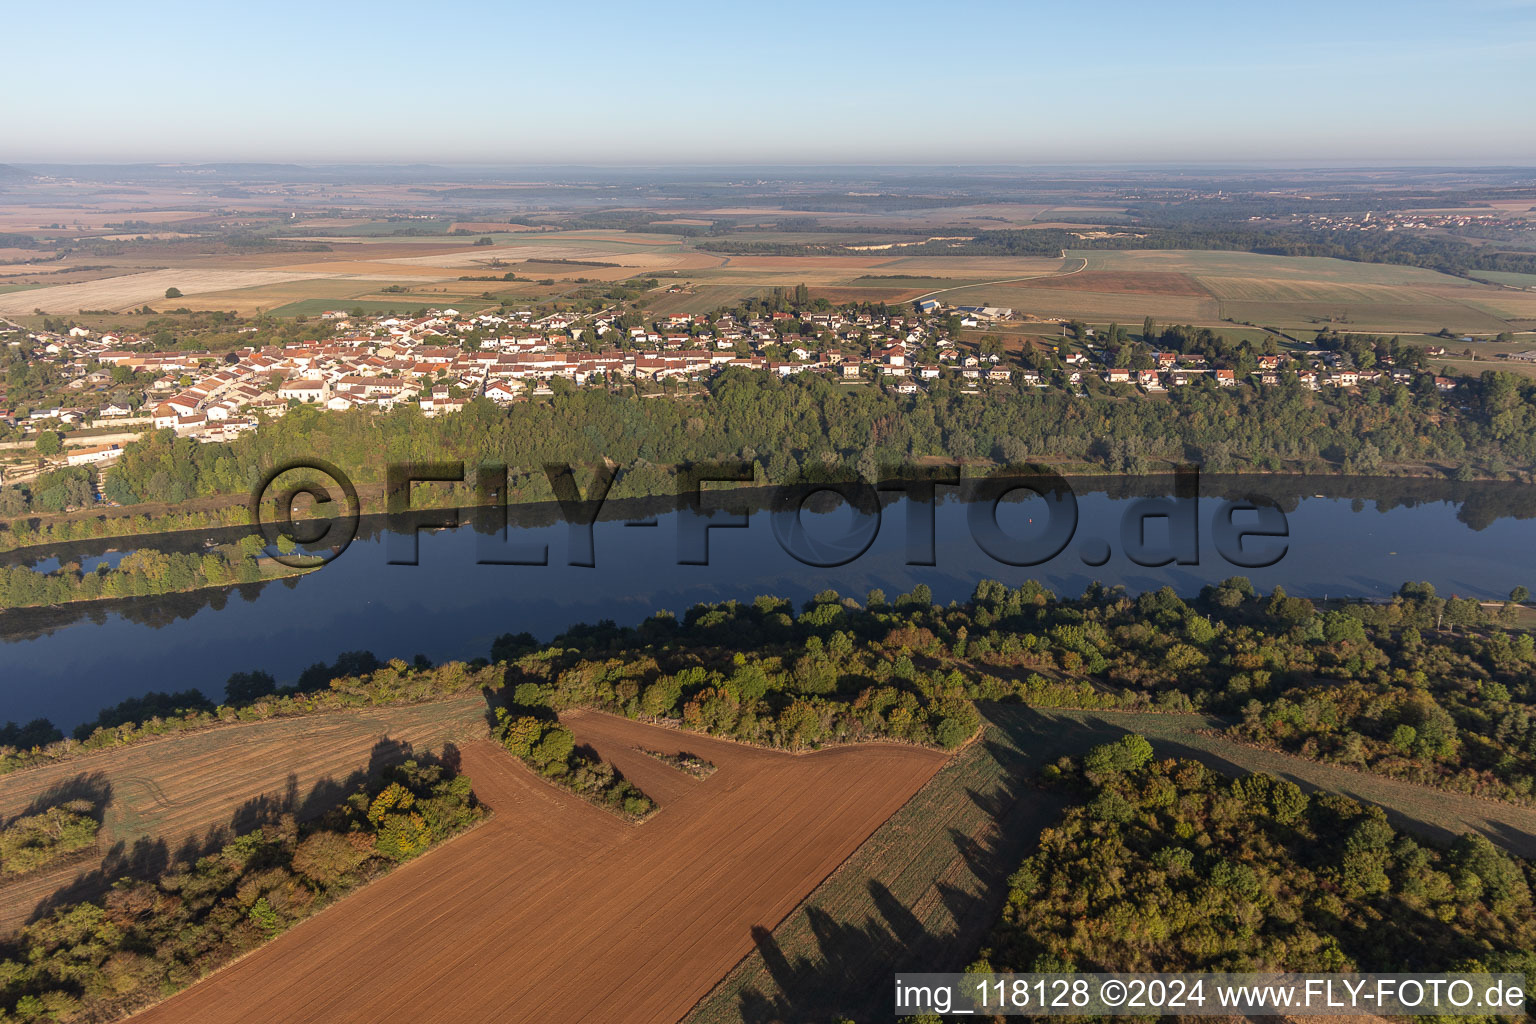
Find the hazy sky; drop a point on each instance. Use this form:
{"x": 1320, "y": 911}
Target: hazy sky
{"x": 964, "y": 81}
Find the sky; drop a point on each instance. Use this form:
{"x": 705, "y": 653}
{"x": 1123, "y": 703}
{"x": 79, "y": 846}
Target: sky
{"x": 678, "y": 82}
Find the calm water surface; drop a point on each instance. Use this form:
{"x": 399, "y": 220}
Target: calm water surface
{"x": 66, "y": 664}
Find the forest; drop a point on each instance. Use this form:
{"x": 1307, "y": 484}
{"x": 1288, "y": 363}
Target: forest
{"x": 1170, "y": 866}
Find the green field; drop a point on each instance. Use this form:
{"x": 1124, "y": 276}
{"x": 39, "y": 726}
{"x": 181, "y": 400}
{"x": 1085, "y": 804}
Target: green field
{"x": 1507, "y": 277}
{"x": 1075, "y": 304}
{"x": 1478, "y": 367}
{"x": 925, "y": 889}
{"x": 701, "y": 299}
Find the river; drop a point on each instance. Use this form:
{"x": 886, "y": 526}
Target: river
{"x": 65, "y": 664}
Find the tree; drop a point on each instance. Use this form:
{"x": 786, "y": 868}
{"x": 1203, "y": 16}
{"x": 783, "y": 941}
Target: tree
{"x": 173, "y": 293}
{"x": 485, "y": 240}
{"x": 1127, "y": 754}
{"x": 245, "y": 687}
{"x": 49, "y": 443}
{"x": 1520, "y": 595}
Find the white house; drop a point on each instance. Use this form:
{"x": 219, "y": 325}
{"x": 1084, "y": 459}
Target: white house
{"x": 88, "y": 456}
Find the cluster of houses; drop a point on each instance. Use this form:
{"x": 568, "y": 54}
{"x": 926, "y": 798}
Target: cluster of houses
{"x": 441, "y": 359}
{"x": 1320, "y": 369}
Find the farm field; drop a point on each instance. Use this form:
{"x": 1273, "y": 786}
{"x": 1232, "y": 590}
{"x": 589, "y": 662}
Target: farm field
{"x": 922, "y": 892}
{"x": 402, "y": 304}
{"x": 1509, "y": 278}
{"x": 1292, "y": 293}
{"x": 1282, "y": 291}
{"x": 1478, "y": 367}
{"x": 562, "y": 911}
{"x": 133, "y": 290}
{"x": 172, "y": 795}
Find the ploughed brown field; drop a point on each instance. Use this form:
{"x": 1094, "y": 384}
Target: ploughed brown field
{"x": 555, "y": 910}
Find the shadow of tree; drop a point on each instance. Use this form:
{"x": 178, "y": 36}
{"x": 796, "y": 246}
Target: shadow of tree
{"x": 836, "y": 957}
{"x": 93, "y": 787}
{"x": 149, "y": 858}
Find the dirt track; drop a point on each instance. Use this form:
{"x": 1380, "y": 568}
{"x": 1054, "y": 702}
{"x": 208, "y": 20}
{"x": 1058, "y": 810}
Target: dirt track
{"x": 557, "y": 911}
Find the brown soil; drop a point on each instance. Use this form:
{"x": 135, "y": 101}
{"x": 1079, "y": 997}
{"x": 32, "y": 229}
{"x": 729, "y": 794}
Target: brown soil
{"x": 557, "y": 910}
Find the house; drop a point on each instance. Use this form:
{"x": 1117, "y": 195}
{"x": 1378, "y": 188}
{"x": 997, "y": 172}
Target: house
{"x": 998, "y": 375}
{"x": 89, "y": 456}
{"x": 114, "y": 411}
{"x": 928, "y": 372}
{"x": 1226, "y": 378}
{"x": 1444, "y": 384}
{"x": 165, "y": 415}
{"x": 927, "y": 305}
{"x": 1118, "y": 377}
{"x": 184, "y": 405}
{"x": 1149, "y": 380}
{"x": 304, "y": 390}
{"x": 501, "y": 393}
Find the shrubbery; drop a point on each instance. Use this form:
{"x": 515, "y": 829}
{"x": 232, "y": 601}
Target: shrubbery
{"x": 549, "y": 748}
{"x": 147, "y": 939}
{"x": 34, "y": 841}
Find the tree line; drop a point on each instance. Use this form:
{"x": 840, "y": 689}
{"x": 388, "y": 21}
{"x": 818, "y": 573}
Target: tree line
{"x": 788, "y": 425}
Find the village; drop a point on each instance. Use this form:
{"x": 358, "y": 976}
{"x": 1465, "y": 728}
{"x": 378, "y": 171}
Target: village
{"x": 438, "y": 360}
